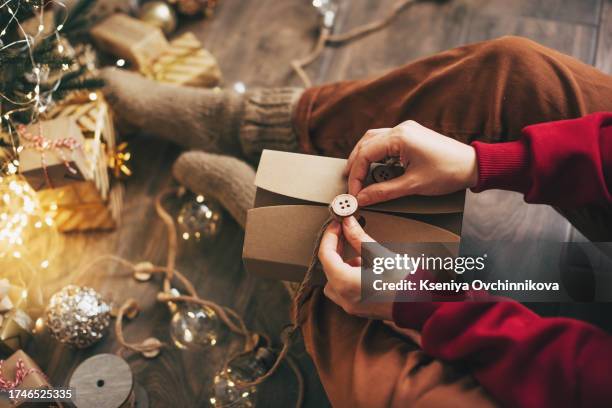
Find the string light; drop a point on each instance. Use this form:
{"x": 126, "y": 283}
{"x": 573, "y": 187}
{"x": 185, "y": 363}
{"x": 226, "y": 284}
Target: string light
{"x": 27, "y": 232}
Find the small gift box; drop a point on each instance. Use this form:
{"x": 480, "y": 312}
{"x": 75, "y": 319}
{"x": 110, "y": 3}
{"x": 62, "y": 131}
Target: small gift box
{"x": 76, "y": 189}
{"x": 92, "y": 115}
{"x": 20, "y": 372}
{"x": 53, "y": 154}
{"x": 131, "y": 39}
{"x": 185, "y": 62}
{"x": 289, "y": 209}
{"x": 15, "y": 324}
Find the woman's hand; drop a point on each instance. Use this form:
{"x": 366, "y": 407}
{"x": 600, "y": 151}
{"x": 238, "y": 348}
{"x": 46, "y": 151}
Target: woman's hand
{"x": 344, "y": 278}
{"x": 435, "y": 164}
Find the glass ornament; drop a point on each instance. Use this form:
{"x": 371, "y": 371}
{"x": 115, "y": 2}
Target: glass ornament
{"x": 199, "y": 219}
{"x": 194, "y": 327}
{"x": 227, "y": 391}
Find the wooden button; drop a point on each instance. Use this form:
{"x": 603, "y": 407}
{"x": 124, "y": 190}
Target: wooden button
{"x": 386, "y": 172}
{"x": 344, "y": 205}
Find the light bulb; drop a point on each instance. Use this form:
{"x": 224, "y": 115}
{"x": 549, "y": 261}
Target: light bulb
{"x": 194, "y": 327}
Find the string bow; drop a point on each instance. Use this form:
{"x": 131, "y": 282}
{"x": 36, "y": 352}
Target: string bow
{"x": 21, "y": 373}
{"x": 43, "y": 144}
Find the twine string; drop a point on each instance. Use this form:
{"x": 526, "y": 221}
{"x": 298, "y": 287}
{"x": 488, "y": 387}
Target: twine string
{"x": 228, "y": 316}
{"x": 21, "y": 372}
{"x": 326, "y": 37}
{"x": 42, "y": 144}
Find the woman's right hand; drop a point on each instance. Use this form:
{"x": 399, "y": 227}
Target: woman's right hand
{"x": 435, "y": 164}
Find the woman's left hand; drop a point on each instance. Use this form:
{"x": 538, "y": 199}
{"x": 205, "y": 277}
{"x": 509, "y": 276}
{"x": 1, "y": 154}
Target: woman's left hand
{"x": 344, "y": 278}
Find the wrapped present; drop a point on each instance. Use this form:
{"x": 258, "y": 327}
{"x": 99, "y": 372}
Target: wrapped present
{"x": 20, "y": 372}
{"x": 15, "y": 324}
{"x": 81, "y": 199}
{"x": 79, "y": 207}
{"x": 54, "y": 154}
{"x": 185, "y": 62}
{"x": 91, "y": 113}
{"x": 131, "y": 39}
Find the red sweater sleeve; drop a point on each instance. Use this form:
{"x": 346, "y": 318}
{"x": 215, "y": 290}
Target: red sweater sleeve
{"x": 566, "y": 163}
{"x": 522, "y": 359}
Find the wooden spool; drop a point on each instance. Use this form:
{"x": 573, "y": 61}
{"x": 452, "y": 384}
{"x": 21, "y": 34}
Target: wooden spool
{"x": 103, "y": 381}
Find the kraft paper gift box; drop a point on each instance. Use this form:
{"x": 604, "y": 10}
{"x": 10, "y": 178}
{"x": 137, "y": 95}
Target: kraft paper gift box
{"x": 92, "y": 116}
{"x": 35, "y": 379}
{"x": 131, "y": 39}
{"x": 291, "y": 204}
{"x": 37, "y": 165}
{"x": 80, "y": 202}
{"x": 185, "y": 62}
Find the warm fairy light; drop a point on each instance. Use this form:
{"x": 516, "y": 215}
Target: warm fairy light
{"x": 240, "y": 87}
{"x": 185, "y": 236}
{"x": 200, "y": 198}
{"x": 28, "y": 239}
{"x": 93, "y": 96}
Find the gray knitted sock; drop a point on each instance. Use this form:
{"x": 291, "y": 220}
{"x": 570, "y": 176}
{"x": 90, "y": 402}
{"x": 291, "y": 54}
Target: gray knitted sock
{"x": 214, "y": 120}
{"x": 226, "y": 179}
{"x": 267, "y": 122}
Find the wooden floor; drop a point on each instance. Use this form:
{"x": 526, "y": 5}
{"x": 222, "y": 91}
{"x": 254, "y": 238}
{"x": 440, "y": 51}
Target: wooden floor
{"x": 254, "y": 42}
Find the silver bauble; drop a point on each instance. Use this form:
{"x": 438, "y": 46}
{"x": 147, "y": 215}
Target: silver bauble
{"x": 77, "y": 316}
{"x": 158, "y": 14}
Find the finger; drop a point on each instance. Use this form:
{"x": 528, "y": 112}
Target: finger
{"x": 331, "y": 294}
{"x": 367, "y": 136}
{"x": 355, "y": 262}
{"x": 376, "y": 149}
{"x": 354, "y": 234}
{"x": 387, "y": 190}
{"x": 333, "y": 265}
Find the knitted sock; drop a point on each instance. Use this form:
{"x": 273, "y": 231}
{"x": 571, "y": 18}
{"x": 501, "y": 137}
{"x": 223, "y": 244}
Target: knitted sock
{"x": 214, "y": 120}
{"x": 225, "y": 179}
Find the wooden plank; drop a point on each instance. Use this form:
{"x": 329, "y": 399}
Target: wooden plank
{"x": 578, "y": 40}
{"x": 569, "y": 11}
{"x": 422, "y": 29}
{"x": 604, "y": 44}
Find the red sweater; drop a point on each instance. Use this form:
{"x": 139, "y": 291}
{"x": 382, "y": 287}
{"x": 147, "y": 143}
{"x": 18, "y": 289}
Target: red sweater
{"x": 522, "y": 359}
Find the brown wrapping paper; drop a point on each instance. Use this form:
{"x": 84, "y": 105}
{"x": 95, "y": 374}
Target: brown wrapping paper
{"x": 293, "y": 192}
{"x": 92, "y": 117}
{"x": 185, "y": 62}
{"x": 129, "y": 38}
{"x": 31, "y": 159}
{"x": 34, "y": 380}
